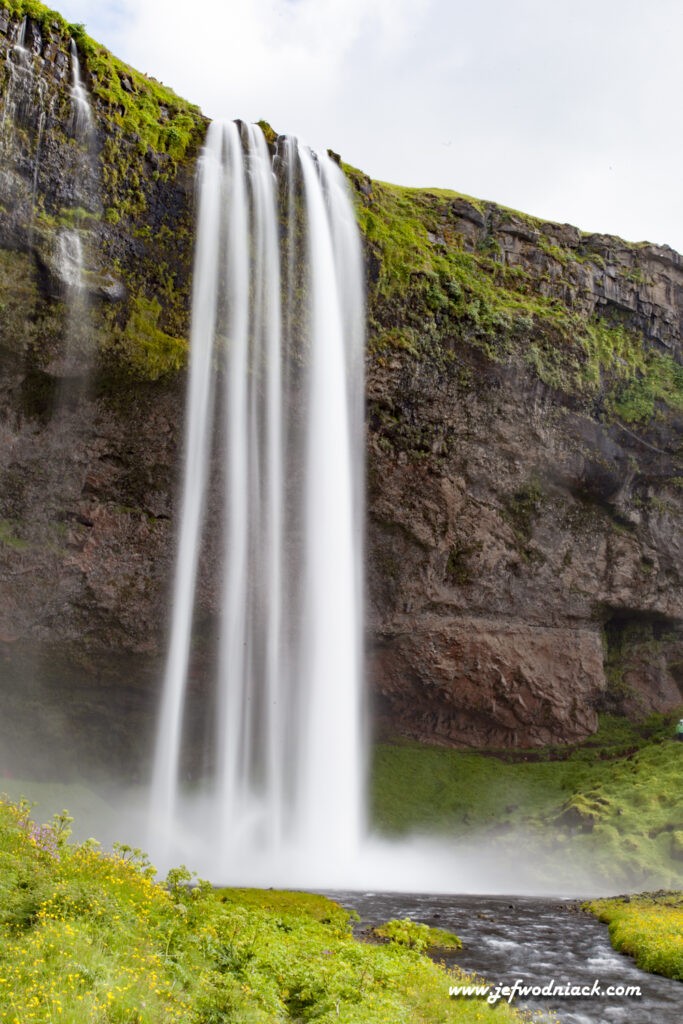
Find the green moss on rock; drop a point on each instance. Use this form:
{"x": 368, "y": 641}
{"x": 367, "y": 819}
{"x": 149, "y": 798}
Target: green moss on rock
{"x": 438, "y": 278}
{"x": 658, "y": 382}
{"x": 145, "y": 109}
{"x": 18, "y": 298}
{"x": 9, "y": 536}
{"x": 148, "y": 351}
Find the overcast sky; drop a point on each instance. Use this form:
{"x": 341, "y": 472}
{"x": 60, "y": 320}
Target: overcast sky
{"x": 567, "y": 109}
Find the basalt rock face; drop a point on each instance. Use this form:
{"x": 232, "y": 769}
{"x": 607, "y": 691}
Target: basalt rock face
{"x": 91, "y": 397}
{"x": 527, "y": 575}
{"x": 524, "y": 483}
{"x": 524, "y": 439}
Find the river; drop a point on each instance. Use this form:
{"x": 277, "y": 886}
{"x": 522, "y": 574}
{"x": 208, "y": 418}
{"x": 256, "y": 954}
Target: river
{"x": 537, "y": 941}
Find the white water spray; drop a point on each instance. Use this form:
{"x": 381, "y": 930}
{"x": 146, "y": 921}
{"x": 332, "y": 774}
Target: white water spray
{"x": 278, "y": 306}
{"x": 82, "y": 118}
{"x": 70, "y": 258}
{"x": 20, "y": 99}
{"x": 20, "y": 37}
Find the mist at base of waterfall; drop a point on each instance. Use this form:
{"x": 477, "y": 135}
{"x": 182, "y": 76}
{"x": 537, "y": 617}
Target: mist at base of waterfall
{"x": 516, "y": 865}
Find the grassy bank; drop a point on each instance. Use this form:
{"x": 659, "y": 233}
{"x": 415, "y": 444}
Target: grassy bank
{"x": 88, "y": 936}
{"x": 614, "y": 803}
{"x": 649, "y": 927}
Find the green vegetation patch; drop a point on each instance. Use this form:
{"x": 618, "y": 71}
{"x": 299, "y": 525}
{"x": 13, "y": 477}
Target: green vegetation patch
{"x": 18, "y": 298}
{"x": 90, "y": 936}
{"x": 415, "y": 935}
{"x": 660, "y": 380}
{"x": 42, "y": 15}
{"x": 9, "y": 535}
{"x": 648, "y": 927}
{"x": 613, "y": 803}
{"x": 149, "y": 351}
{"x": 438, "y": 278}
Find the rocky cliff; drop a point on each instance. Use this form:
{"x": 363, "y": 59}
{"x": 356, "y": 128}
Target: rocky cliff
{"x": 525, "y": 405}
{"x": 525, "y": 401}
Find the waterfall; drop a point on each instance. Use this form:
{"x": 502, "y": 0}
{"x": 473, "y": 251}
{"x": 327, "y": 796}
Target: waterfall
{"x": 19, "y": 42}
{"x": 71, "y": 250}
{"x": 78, "y": 353}
{"x": 70, "y": 259}
{"x": 275, "y": 410}
{"x": 23, "y": 92}
{"x": 81, "y": 119}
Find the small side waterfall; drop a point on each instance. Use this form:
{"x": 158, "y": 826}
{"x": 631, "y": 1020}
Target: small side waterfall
{"x": 82, "y": 119}
{"x": 278, "y": 307}
{"x": 71, "y": 248}
{"x": 70, "y": 257}
{"x": 20, "y": 37}
{"x": 78, "y": 355}
{"x": 23, "y": 102}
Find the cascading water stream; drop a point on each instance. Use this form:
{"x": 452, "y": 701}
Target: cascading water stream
{"x": 278, "y": 307}
{"x": 72, "y": 242}
{"x": 19, "y": 100}
{"x": 71, "y": 250}
{"x": 82, "y": 119}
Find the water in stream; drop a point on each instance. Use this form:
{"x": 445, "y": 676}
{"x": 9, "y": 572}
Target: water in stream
{"x": 536, "y": 941}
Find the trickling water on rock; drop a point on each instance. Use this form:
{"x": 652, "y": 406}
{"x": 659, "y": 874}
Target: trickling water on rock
{"x": 70, "y": 258}
{"x": 278, "y": 308}
{"x": 82, "y": 119}
{"x": 23, "y": 102}
{"x": 69, "y": 262}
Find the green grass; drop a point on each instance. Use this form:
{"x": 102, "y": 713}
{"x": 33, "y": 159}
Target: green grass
{"x": 432, "y": 290}
{"x": 415, "y": 935}
{"x": 145, "y": 108}
{"x": 649, "y": 927}
{"x": 614, "y": 803}
{"x": 90, "y": 936}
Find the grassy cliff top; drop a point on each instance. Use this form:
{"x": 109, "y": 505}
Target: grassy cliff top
{"x": 140, "y": 105}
